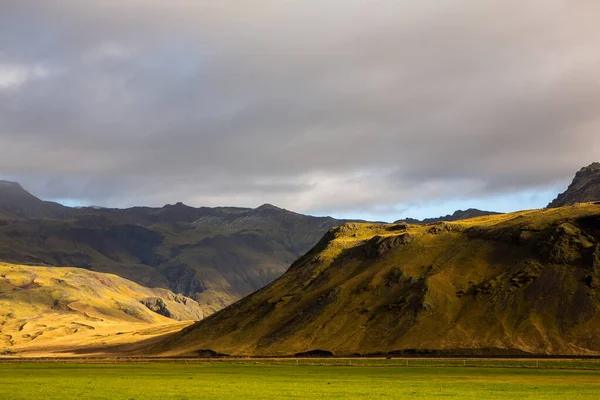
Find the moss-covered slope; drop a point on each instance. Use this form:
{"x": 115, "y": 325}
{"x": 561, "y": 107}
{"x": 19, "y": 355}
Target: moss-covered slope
{"x": 526, "y": 282}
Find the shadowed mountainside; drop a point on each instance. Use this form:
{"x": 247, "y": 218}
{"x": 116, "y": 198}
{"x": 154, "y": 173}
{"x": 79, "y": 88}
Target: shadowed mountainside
{"x": 526, "y": 282}
{"x": 215, "y": 255}
{"x": 16, "y": 202}
{"x": 46, "y": 307}
{"x": 584, "y": 188}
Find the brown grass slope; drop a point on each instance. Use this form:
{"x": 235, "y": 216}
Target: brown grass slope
{"x": 49, "y": 310}
{"x": 526, "y": 282}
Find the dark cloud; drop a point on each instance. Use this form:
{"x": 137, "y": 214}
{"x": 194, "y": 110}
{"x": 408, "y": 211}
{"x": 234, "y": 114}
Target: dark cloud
{"x": 328, "y": 105}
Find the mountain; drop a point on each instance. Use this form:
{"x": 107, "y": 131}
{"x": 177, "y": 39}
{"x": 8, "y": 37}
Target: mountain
{"x": 456, "y": 216}
{"x": 584, "y": 188}
{"x": 44, "y": 308}
{"x": 510, "y": 284}
{"x": 16, "y": 202}
{"x": 215, "y": 255}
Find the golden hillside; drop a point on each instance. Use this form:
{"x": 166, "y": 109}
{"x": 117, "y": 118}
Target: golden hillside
{"x": 526, "y": 282}
{"x": 50, "y": 310}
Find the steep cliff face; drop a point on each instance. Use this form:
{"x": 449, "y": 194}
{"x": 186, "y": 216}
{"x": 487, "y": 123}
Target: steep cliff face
{"x": 584, "y": 188}
{"x": 526, "y": 282}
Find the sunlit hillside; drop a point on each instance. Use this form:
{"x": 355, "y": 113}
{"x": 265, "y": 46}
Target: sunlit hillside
{"x": 520, "y": 283}
{"x": 65, "y": 310}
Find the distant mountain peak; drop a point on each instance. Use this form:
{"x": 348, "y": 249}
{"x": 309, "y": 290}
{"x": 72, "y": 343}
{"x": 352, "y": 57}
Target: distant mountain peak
{"x": 5, "y": 184}
{"x": 456, "y": 216}
{"x": 179, "y": 204}
{"x": 268, "y": 206}
{"x": 585, "y": 187}
{"x": 17, "y": 202}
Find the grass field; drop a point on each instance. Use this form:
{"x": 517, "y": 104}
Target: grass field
{"x": 286, "y": 380}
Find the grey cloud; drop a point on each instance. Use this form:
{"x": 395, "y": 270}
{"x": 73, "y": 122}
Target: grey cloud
{"x": 328, "y": 105}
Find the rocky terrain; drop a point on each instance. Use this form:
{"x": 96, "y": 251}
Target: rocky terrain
{"x": 584, "y": 188}
{"x": 510, "y": 284}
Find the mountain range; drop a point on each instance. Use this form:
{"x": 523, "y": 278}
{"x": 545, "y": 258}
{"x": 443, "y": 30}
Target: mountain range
{"x": 474, "y": 282}
{"x": 215, "y": 255}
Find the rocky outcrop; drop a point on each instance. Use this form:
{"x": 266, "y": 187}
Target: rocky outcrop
{"x": 176, "y": 307}
{"x": 584, "y": 188}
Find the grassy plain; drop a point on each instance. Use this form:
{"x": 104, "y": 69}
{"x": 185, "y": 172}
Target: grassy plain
{"x": 311, "y": 379}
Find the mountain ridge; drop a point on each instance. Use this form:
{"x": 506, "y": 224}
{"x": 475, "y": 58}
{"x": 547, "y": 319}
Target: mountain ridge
{"x": 216, "y": 255}
{"x": 510, "y": 284}
{"x": 456, "y": 216}
{"x": 16, "y": 202}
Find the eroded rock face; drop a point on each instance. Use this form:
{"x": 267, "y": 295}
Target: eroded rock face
{"x": 157, "y": 305}
{"x": 176, "y": 307}
{"x": 378, "y": 246}
{"x": 441, "y": 227}
{"x": 584, "y": 188}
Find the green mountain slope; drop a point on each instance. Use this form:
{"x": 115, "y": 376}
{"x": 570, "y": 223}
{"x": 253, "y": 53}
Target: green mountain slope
{"x": 527, "y": 282}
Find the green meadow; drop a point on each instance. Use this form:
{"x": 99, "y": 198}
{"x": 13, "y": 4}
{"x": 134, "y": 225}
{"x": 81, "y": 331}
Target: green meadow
{"x": 334, "y": 379}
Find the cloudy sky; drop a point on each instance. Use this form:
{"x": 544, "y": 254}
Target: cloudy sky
{"x": 358, "y": 108}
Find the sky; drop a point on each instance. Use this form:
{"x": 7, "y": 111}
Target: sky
{"x": 375, "y": 109}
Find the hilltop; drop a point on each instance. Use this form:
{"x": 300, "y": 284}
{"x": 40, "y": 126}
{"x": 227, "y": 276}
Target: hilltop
{"x": 16, "y": 202}
{"x": 52, "y": 310}
{"x": 511, "y": 284}
{"x": 584, "y": 188}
